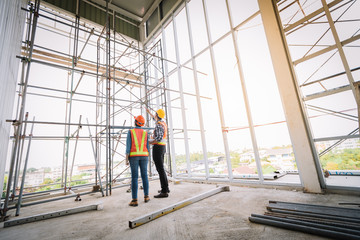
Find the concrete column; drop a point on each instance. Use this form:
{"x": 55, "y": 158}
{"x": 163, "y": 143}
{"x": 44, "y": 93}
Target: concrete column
{"x": 12, "y": 22}
{"x": 286, "y": 80}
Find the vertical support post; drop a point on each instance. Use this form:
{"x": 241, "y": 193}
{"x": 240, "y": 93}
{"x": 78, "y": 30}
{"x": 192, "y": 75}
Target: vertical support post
{"x": 96, "y": 160}
{"x": 169, "y": 109}
{"x": 22, "y": 107}
{"x": 285, "y": 77}
{"x": 246, "y": 98}
{"x": 108, "y": 140}
{"x": 156, "y": 75}
{"x": 19, "y": 156}
{"x": 74, "y": 62}
{"x": 66, "y": 117}
{"x": 98, "y": 107}
{"x": 113, "y": 98}
{"x": 161, "y": 59}
{"x": 24, "y": 171}
{"x": 218, "y": 94}
{"x": 183, "y": 114}
{"x": 197, "y": 91}
{"x": 76, "y": 142}
{"x": 147, "y": 102}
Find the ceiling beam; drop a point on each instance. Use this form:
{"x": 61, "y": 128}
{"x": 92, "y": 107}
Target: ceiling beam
{"x": 118, "y": 9}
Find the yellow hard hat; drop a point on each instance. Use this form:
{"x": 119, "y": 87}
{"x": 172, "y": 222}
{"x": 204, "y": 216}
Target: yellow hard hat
{"x": 160, "y": 113}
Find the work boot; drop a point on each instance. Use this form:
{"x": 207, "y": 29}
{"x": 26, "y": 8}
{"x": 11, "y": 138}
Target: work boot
{"x": 146, "y": 198}
{"x": 133, "y": 203}
{"x": 168, "y": 191}
{"x": 161, "y": 195}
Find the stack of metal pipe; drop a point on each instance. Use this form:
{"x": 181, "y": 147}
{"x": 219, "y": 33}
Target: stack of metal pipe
{"x": 327, "y": 221}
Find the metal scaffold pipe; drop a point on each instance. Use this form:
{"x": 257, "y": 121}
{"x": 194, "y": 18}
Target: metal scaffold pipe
{"x": 74, "y": 62}
{"x": 24, "y": 171}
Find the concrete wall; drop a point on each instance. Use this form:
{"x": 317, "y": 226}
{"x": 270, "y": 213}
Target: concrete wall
{"x": 12, "y": 22}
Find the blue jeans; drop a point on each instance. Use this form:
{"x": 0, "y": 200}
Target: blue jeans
{"x": 135, "y": 162}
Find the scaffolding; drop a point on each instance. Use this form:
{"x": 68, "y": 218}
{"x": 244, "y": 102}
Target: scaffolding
{"x": 124, "y": 89}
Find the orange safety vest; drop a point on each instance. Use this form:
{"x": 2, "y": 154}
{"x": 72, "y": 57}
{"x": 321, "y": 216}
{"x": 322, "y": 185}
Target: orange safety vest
{"x": 138, "y": 135}
{"x": 163, "y": 141}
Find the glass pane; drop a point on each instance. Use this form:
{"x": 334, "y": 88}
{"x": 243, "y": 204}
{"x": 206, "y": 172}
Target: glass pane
{"x": 170, "y": 43}
{"x": 212, "y": 126}
{"x": 276, "y": 154}
{"x": 343, "y": 18}
{"x": 340, "y": 161}
{"x": 183, "y": 36}
{"x": 198, "y": 26}
{"x": 218, "y": 18}
{"x": 338, "y": 110}
{"x": 230, "y": 85}
{"x": 242, "y": 155}
{"x": 241, "y": 10}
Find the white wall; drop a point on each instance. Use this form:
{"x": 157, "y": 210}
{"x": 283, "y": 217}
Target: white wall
{"x": 12, "y": 22}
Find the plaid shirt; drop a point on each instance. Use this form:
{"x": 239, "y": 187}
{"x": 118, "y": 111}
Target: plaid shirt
{"x": 158, "y": 132}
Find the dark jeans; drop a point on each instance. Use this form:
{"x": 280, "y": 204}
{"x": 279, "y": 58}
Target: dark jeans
{"x": 158, "y": 157}
{"x": 135, "y": 162}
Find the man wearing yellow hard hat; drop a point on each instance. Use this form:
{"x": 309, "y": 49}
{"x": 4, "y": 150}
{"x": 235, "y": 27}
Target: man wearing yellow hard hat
{"x": 159, "y": 141}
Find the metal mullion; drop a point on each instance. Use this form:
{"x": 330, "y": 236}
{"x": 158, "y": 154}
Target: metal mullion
{"x": 339, "y": 46}
{"x": 328, "y": 49}
{"x": 197, "y": 90}
{"x": 218, "y": 94}
{"x": 24, "y": 171}
{"x": 170, "y": 117}
{"x": 182, "y": 102}
{"x": 329, "y": 77}
{"x": 334, "y": 113}
{"x": 311, "y": 15}
{"x": 315, "y": 44}
{"x": 245, "y": 96}
{"x": 336, "y": 138}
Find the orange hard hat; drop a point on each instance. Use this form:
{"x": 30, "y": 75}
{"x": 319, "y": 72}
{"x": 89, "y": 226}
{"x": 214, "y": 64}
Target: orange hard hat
{"x": 140, "y": 120}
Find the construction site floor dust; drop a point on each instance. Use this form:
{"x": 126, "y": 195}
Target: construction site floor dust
{"x": 221, "y": 216}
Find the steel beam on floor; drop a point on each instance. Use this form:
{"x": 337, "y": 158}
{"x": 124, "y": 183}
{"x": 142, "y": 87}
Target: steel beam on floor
{"x": 154, "y": 215}
{"x": 302, "y": 228}
{"x": 55, "y": 214}
{"x": 300, "y": 222}
{"x": 317, "y": 209}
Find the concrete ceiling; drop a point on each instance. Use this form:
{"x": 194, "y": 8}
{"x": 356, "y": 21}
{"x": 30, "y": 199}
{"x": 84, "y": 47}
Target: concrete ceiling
{"x": 136, "y": 7}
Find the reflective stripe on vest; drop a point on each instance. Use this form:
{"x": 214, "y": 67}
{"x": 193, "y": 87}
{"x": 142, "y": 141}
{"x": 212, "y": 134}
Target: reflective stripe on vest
{"x": 135, "y": 149}
{"x": 163, "y": 140}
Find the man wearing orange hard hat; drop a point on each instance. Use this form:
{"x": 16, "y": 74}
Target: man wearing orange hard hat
{"x": 137, "y": 154}
{"x": 159, "y": 141}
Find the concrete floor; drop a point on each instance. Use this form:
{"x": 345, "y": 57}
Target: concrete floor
{"x": 222, "y": 216}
